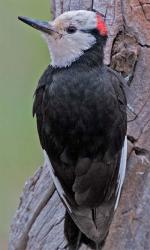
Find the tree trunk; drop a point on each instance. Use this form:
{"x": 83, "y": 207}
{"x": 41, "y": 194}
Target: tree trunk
{"x": 38, "y": 222}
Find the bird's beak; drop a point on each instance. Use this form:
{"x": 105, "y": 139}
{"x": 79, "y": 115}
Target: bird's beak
{"x": 39, "y": 25}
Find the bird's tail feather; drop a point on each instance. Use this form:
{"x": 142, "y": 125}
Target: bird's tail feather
{"x": 76, "y": 238}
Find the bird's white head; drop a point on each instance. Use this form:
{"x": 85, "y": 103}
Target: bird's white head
{"x": 70, "y": 35}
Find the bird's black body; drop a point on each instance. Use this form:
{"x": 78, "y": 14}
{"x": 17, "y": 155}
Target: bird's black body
{"x": 81, "y": 120}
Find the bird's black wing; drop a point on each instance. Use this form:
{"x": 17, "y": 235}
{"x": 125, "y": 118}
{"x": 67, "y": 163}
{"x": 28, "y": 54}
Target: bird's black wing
{"x": 96, "y": 178}
{"x": 98, "y": 181}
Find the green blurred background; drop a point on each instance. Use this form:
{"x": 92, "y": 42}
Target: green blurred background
{"x": 23, "y": 57}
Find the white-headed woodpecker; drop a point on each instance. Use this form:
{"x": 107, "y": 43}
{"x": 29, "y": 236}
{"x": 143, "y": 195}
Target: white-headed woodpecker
{"x": 80, "y": 107}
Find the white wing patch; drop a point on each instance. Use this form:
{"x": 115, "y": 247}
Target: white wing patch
{"x": 122, "y": 171}
{"x": 56, "y": 181}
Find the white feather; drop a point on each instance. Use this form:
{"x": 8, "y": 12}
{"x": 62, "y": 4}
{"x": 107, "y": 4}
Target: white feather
{"x": 69, "y": 48}
{"x": 122, "y": 171}
{"x": 56, "y": 181}
{"x": 66, "y": 48}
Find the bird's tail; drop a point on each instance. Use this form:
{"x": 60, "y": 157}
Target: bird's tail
{"x": 76, "y": 238}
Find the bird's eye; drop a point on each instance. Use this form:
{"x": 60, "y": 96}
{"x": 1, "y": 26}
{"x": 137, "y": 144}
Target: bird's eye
{"x": 71, "y": 29}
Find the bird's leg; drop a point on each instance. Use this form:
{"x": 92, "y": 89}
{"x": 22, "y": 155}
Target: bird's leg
{"x": 94, "y": 216}
{"x": 78, "y": 240}
{"x": 97, "y": 247}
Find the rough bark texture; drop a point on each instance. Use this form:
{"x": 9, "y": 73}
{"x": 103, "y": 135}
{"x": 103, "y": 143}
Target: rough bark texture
{"x": 38, "y": 223}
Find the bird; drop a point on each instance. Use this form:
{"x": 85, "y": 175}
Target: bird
{"x": 80, "y": 107}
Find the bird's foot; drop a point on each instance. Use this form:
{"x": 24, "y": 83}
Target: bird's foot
{"x": 78, "y": 240}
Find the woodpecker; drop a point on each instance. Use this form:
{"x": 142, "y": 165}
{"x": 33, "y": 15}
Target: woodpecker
{"x": 80, "y": 107}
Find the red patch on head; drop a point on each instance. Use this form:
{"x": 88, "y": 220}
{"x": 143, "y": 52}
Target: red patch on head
{"x": 101, "y": 26}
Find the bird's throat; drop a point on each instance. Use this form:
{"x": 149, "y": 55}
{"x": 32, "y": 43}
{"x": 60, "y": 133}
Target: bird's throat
{"x": 91, "y": 57}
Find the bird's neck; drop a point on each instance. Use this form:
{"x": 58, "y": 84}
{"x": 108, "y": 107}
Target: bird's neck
{"x": 92, "y": 57}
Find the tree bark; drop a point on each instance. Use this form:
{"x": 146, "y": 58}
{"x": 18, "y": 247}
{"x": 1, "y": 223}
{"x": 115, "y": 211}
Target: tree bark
{"x": 38, "y": 222}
